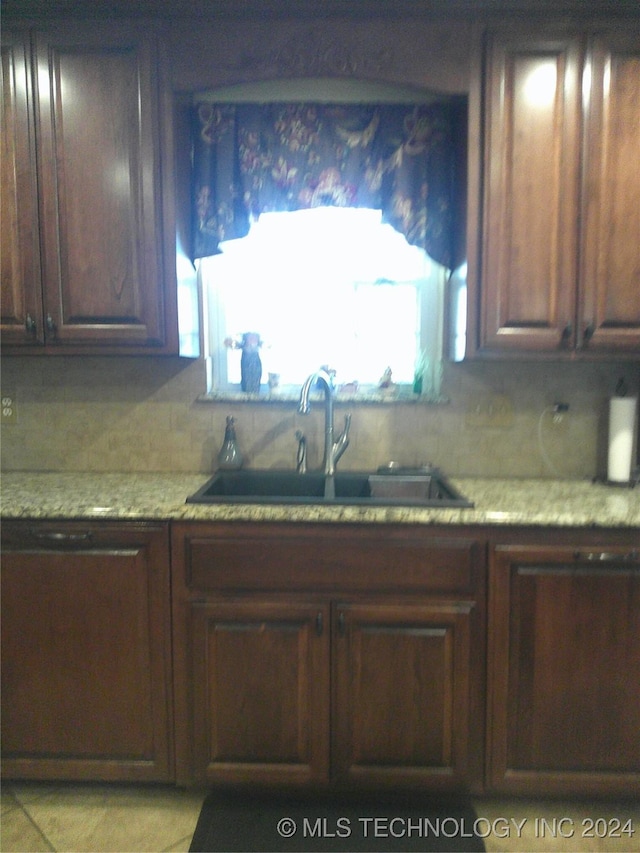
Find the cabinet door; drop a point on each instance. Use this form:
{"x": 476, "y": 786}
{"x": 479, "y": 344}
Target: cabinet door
{"x": 530, "y": 230}
{"x": 611, "y": 279}
{"x": 564, "y": 671}
{"x": 404, "y": 693}
{"x": 21, "y": 321}
{"x": 98, "y": 143}
{"x": 260, "y": 682}
{"x": 85, "y": 652}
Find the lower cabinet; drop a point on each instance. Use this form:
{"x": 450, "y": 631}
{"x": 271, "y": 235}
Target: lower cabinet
{"x": 403, "y": 674}
{"x": 328, "y": 656}
{"x": 564, "y": 669}
{"x": 324, "y": 655}
{"x": 260, "y": 690}
{"x": 86, "y": 662}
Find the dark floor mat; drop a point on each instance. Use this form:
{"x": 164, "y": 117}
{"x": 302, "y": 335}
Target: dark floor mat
{"x": 233, "y": 822}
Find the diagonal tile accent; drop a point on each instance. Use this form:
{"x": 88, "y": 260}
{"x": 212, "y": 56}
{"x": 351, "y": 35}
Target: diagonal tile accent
{"x": 106, "y": 818}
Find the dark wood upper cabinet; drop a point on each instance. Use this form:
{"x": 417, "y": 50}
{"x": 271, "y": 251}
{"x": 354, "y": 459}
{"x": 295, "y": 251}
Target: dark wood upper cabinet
{"x": 610, "y": 307}
{"x": 560, "y": 267}
{"x": 91, "y": 198}
{"x": 21, "y": 317}
{"x": 531, "y": 197}
{"x": 98, "y": 145}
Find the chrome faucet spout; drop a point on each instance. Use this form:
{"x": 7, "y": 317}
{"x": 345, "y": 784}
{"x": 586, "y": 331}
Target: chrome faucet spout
{"x": 304, "y": 406}
{"x": 332, "y": 450}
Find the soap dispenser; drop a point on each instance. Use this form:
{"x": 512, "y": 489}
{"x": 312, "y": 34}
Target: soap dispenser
{"x": 229, "y": 457}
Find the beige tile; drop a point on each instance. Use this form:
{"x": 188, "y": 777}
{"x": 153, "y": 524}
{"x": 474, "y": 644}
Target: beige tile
{"x": 108, "y": 818}
{"x": 558, "y": 826}
{"x": 26, "y": 792}
{"x": 182, "y": 846}
{"x": 19, "y": 835}
{"x": 7, "y": 800}
{"x": 47, "y": 817}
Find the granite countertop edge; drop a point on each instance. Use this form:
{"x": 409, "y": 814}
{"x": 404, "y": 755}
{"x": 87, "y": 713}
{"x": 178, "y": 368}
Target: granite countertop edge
{"x": 161, "y": 497}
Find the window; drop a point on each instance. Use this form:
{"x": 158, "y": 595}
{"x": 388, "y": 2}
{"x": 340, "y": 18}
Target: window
{"x": 335, "y": 285}
{"x": 325, "y": 286}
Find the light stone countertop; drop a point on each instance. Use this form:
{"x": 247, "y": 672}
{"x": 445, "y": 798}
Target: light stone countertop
{"x": 161, "y": 497}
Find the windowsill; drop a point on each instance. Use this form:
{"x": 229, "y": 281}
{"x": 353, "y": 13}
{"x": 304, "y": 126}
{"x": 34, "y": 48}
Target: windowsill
{"x": 398, "y": 395}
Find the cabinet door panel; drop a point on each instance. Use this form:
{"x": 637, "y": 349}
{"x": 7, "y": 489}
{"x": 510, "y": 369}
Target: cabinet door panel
{"x": 85, "y": 655}
{"x": 260, "y": 684}
{"x": 402, "y": 699}
{"x": 611, "y": 299}
{"x": 530, "y": 234}
{"x": 21, "y": 321}
{"x": 97, "y": 110}
{"x": 564, "y": 672}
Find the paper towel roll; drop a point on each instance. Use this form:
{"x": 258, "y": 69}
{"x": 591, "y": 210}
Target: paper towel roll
{"x": 622, "y": 420}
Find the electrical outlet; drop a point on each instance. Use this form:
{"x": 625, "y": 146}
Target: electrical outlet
{"x": 9, "y": 409}
{"x": 558, "y": 419}
{"x": 559, "y": 411}
{"x": 492, "y": 410}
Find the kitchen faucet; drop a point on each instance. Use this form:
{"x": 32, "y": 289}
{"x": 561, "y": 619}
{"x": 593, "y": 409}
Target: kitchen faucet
{"x": 333, "y": 450}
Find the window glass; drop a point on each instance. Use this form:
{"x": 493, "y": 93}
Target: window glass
{"x": 326, "y": 286}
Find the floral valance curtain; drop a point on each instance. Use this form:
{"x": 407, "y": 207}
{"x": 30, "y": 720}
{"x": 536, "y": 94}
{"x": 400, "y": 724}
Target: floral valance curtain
{"x": 404, "y": 160}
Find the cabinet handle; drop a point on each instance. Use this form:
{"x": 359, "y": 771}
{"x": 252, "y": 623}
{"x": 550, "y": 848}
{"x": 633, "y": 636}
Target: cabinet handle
{"x": 30, "y": 324}
{"x": 57, "y": 536}
{"x": 319, "y": 624}
{"x": 605, "y": 556}
{"x": 341, "y": 625}
{"x": 51, "y": 326}
{"x": 567, "y": 332}
{"x": 589, "y": 330}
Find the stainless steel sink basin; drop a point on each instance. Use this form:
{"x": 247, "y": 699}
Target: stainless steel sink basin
{"x": 423, "y": 487}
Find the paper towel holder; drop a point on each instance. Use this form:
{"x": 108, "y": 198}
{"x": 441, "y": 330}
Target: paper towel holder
{"x": 622, "y": 463}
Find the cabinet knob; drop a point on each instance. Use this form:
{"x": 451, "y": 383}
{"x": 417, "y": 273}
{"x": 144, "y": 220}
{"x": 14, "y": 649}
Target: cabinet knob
{"x": 51, "y": 326}
{"x": 589, "y": 329}
{"x": 341, "y": 623}
{"x": 30, "y": 324}
{"x": 319, "y": 623}
{"x": 567, "y": 334}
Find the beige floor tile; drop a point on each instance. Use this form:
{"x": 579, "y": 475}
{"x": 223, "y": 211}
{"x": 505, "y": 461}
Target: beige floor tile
{"x": 107, "y": 818}
{"x": 182, "y": 846}
{"x": 19, "y": 835}
{"x": 7, "y": 800}
{"x": 557, "y": 826}
{"x": 26, "y": 792}
{"x": 67, "y": 817}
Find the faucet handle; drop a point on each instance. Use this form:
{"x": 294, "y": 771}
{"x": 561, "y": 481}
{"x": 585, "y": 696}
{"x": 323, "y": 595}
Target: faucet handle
{"x": 342, "y": 443}
{"x": 301, "y": 460}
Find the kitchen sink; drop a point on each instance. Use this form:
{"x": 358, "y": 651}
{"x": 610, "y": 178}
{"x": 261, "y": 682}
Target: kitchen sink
{"x": 424, "y": 487}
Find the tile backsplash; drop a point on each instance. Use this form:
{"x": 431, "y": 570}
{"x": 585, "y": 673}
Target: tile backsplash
{"x": 143, "y": 414}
